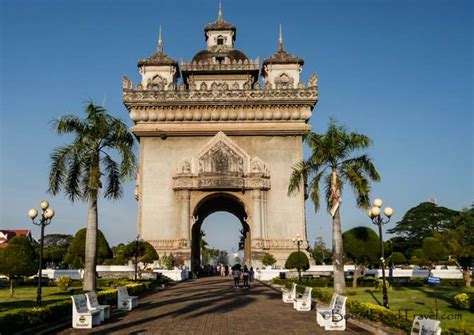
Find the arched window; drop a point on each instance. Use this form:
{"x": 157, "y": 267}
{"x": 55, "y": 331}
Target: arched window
{"x": 220, "y": 40}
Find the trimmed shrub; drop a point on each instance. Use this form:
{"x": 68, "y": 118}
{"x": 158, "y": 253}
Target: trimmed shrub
{"x": 294, "y": 258}
{"x": 268, "y": 259}
{"x": 378, "y": 284}
{"x": 461, "y": 301}
{"x": 64, "y": 282}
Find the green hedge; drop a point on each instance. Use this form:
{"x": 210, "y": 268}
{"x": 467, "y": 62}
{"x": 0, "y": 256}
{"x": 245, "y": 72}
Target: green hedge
{"x": 25, "y": 318}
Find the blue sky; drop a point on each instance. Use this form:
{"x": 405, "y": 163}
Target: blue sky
{"x": 398, "y": 71}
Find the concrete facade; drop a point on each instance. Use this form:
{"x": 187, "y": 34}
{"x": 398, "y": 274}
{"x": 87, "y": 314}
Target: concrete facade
{"x": 220, "y": 141}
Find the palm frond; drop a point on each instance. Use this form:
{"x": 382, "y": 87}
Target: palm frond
{"x": 58, "y": 168}
{"x": 68, "y": 124}
{"x": 359, "y": 183}
{"x": 314, "y": 190}
{"x": 72, "y": 182}
{"x": 113, "y": 189}
{"x": 298, "y": 176}
{"x": 364, "y": 164}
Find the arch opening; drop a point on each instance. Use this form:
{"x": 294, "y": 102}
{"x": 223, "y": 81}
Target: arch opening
{"x": 218, "y": 202}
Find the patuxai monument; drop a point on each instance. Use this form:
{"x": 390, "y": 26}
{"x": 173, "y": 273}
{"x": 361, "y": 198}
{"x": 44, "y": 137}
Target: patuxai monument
{"x": 220, "y": 133}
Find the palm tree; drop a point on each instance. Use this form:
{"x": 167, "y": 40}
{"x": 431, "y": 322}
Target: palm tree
{"x": 79, "y": 168}
{"x": 332, "y": 160}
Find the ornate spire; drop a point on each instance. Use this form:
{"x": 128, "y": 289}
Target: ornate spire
{"x": 160, "y": 42}
{"x": 219, "y": 13}
{"x": 280, "y": 46}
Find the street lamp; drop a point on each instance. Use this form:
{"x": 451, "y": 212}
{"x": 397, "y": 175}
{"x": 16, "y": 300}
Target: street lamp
{"x": 298, "y": 241}
{"x": 374, "y": 215}
{"x": 45, "y": 219}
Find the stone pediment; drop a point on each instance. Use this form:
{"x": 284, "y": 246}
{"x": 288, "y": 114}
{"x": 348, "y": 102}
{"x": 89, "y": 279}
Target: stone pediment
{"x": 221, "y": 163}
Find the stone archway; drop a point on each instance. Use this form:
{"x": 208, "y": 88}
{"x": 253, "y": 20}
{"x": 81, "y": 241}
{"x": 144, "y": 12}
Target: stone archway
{"x": 219, "y": 202}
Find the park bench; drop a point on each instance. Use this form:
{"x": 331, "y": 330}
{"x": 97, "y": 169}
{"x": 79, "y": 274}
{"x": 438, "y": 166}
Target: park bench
{"x": 424, "y": 326}
{"x": 303, "y": 303}
{"x": 83, "y": 317}
{"x": 288, "y": 296}
{"x": 334, "y": 317}
{"x": 125, "y": 301}
{"x": 322, "y": 311}
{"x": 93, "y": 304}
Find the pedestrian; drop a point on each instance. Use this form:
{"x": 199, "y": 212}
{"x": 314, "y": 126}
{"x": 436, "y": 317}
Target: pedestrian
{"x": 236, "y": 274}
{"x": 246, "y": 276}
{"x": 226, "y": 269}
{"x": 252, "y": 274}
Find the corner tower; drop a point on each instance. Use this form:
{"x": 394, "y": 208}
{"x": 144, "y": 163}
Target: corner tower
{"x": 220, "y": 140}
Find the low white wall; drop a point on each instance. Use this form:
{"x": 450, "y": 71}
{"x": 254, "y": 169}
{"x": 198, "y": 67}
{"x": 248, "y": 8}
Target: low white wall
{"x": 55, "y": 274}
{"x": 268, "y": 274}
{"x": 418, "y": 273}
{"x": 175, "y": 274}
{"x": 115, "y": 268}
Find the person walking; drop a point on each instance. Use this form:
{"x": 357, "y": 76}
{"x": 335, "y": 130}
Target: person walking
{"x": 246, "y": 276}
{"x": 252, "y": 274}
{"x": 236, "y": 274}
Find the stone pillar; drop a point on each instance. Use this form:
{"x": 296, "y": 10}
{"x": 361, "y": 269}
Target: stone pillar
{"x": 256, "y": 215}
{"x": 184, "y": 218}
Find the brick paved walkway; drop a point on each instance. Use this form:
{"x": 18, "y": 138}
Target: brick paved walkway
{"x": 212, "y": 306}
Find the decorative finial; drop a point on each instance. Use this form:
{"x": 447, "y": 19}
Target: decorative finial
{"x": 160, "y": 42}
{"x": 219, "y": 14}
{"x": 280, "y": 47}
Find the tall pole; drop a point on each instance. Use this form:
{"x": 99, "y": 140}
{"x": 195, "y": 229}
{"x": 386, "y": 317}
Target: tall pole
{"x": 40, "y": 265}
{"x": 382, "y": 259}
{"x": 45, "y": 219}
{"x": 299, "y": 263}
{"x": 374, "y": 215}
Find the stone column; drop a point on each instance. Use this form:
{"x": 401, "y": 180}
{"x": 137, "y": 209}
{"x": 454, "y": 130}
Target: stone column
{"x": 184, "y": 218}
{"x": 256, "y": 215}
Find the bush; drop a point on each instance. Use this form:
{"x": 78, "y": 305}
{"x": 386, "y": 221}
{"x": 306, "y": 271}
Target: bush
{"x": 294, "y": 258}
{"x": 268, "y": 259}
{"x": 64, "y": 282}
{"x": 461, "y": 301}
{"x": 378, "y": 284}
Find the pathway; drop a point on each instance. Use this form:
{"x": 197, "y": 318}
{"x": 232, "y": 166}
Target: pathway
{"x": 212, "y": 306}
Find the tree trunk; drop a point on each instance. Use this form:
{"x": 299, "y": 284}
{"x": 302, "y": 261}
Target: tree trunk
{"x": 11, "y": 287}
{"x": 466, "y": 274}
{"x": 356, "y": 276}
{"x": 337, "y": 259}
{"x": 91, "y": 247}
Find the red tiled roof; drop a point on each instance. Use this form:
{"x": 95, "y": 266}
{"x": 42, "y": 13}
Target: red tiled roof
{"x": 10, "y": 233}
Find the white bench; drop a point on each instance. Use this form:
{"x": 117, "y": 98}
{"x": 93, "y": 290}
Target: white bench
{"x": 333, "y": 318}
{"x": 83, "y": 317}
{"x": 322, "y": 311}
{"x": 303, "y": 303}
{"x": 424, "y": 326}
{"x": 288, "y": 296}
{"x": 125, "y": 301}
{"x": 93, "y": 304}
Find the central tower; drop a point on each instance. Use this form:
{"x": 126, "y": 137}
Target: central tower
{"x": 220, "y": 140}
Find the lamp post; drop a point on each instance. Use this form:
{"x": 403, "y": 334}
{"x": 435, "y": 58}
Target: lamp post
{"x": 45, "y": 219}
{"x": 374, "y": 215}
{"x": 298, "y": 241}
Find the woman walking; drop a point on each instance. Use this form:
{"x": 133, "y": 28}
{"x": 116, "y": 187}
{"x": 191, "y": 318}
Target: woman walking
{"x": 236, "y": 274}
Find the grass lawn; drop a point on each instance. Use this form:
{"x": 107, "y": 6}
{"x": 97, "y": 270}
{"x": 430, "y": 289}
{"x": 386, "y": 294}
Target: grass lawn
{"x": 24, "y": 297}
{"x": 419, "y": 301}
